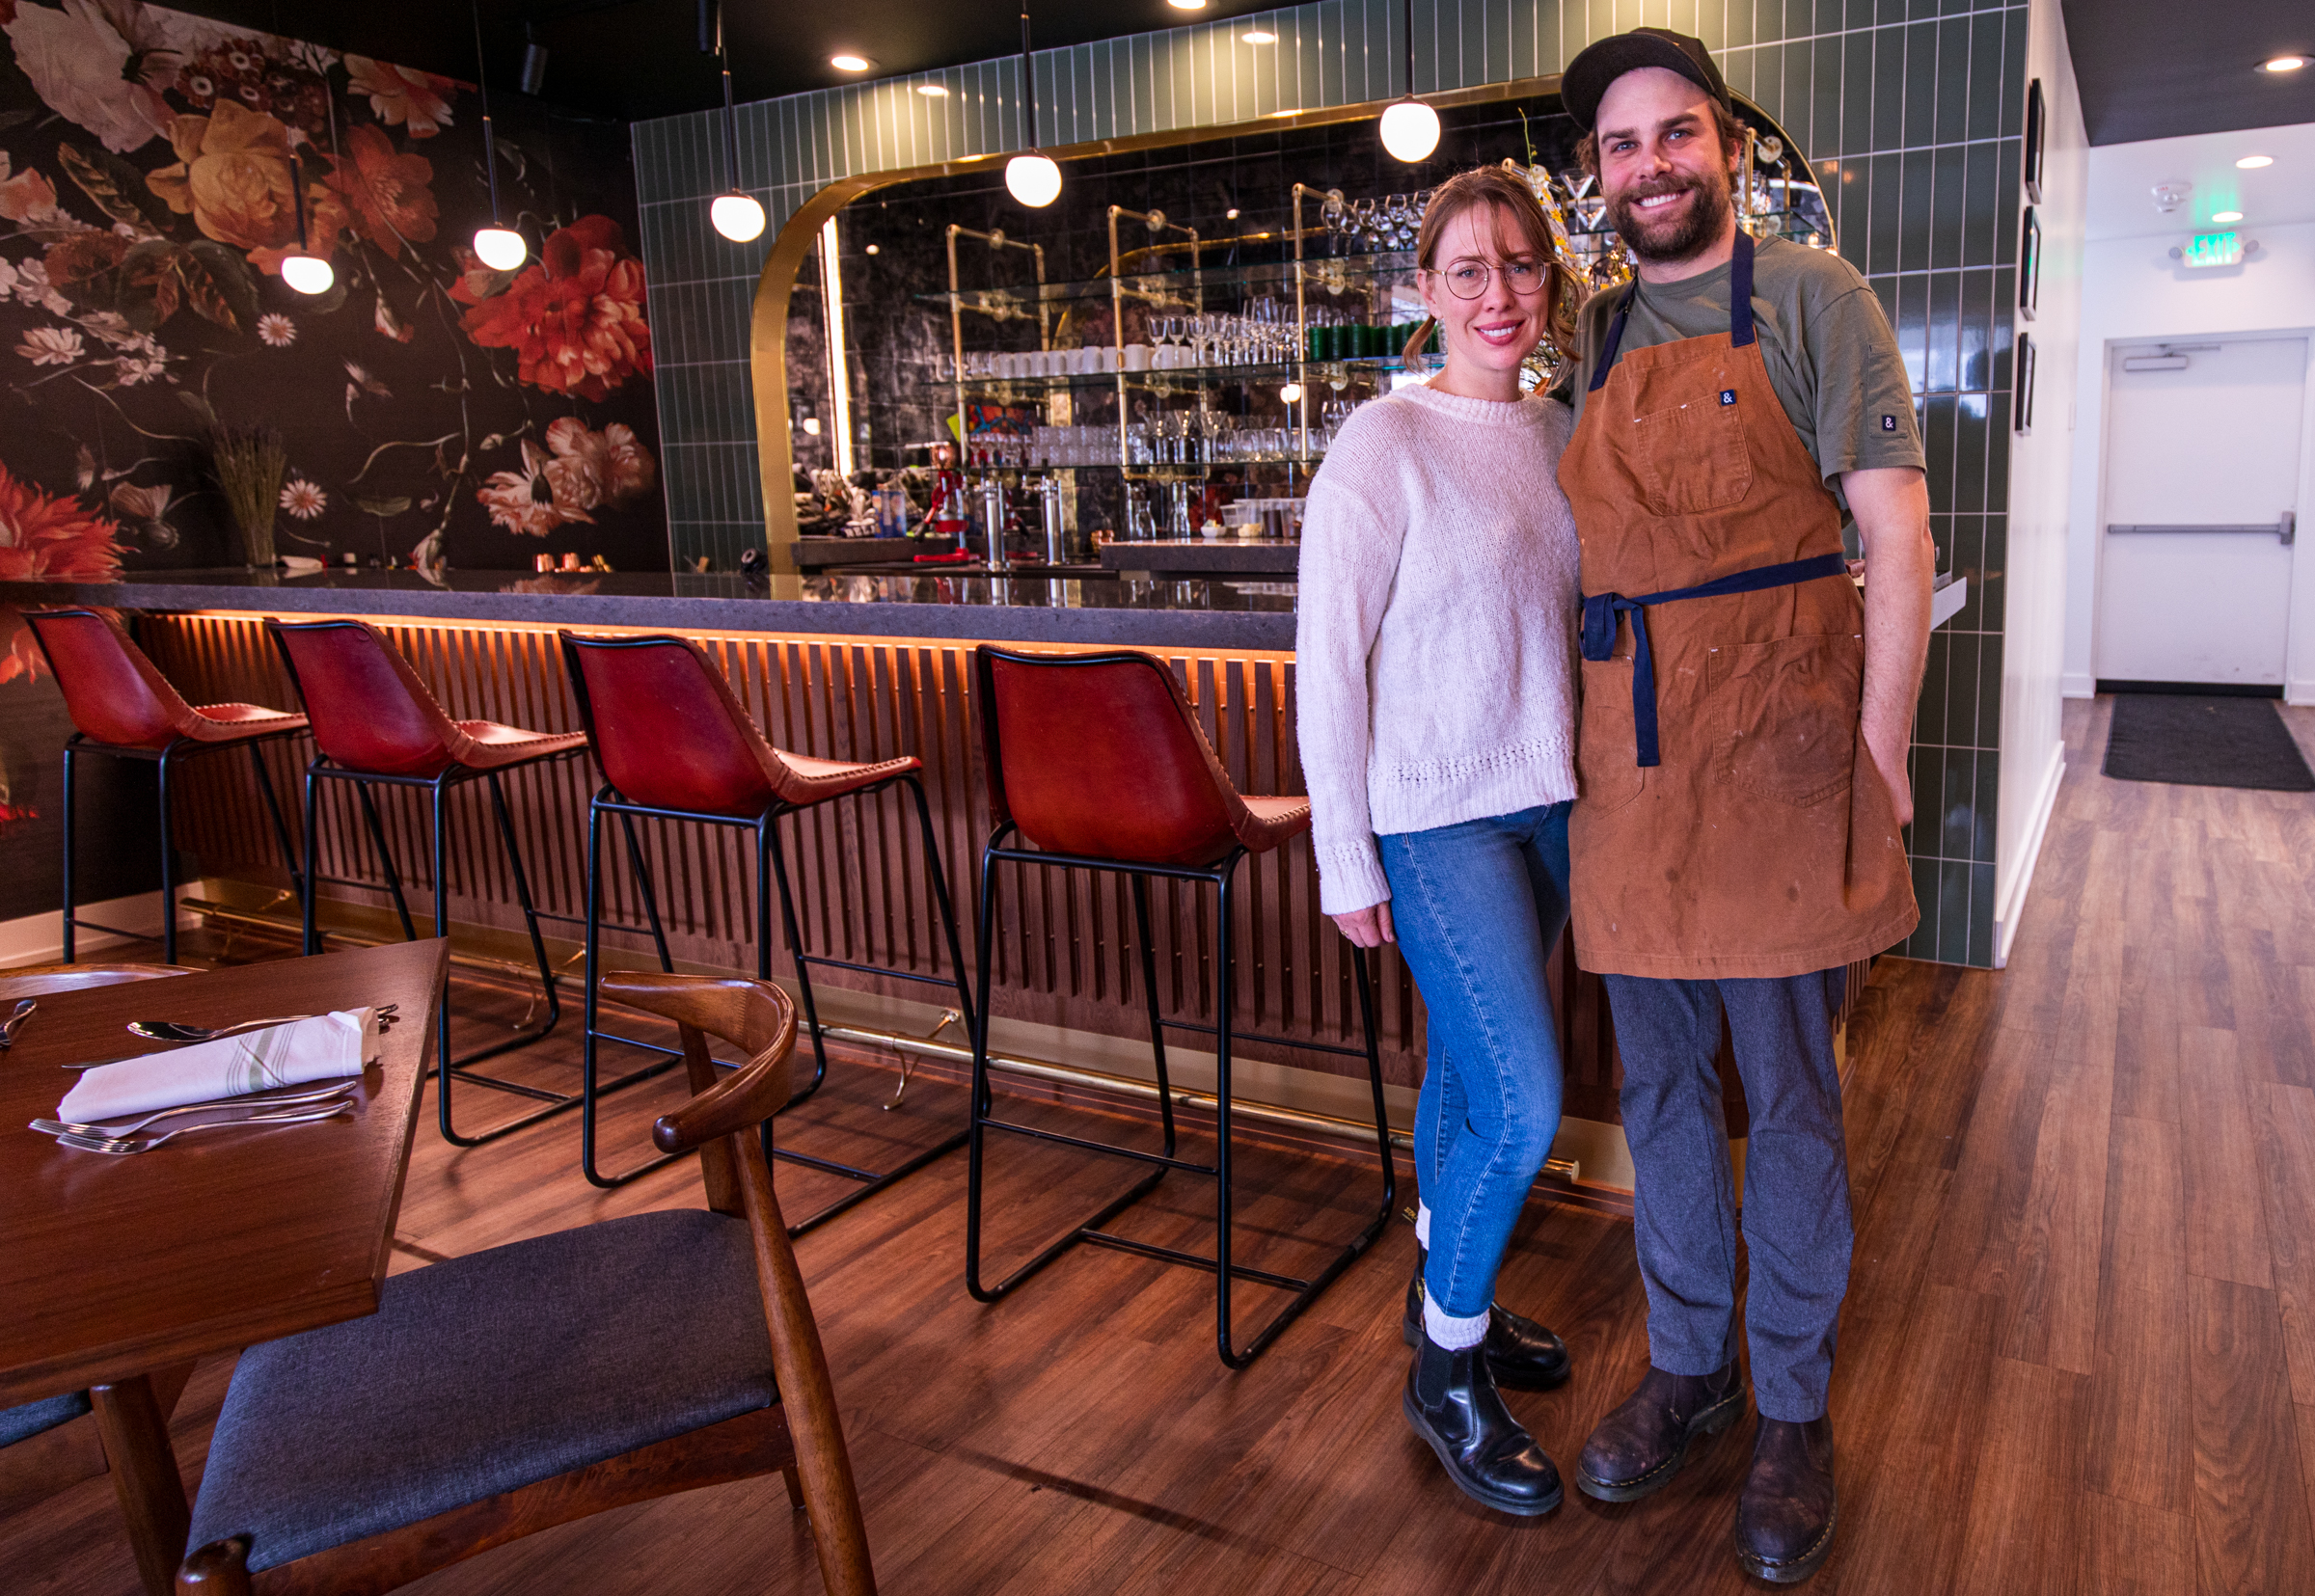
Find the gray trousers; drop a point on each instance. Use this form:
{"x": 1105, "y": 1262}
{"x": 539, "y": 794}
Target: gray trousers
{"x": 1797, "y": 1178}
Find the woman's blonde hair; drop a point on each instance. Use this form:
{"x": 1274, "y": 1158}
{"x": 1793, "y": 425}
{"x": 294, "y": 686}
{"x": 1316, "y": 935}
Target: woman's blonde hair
{"x": 1503, "y": 191}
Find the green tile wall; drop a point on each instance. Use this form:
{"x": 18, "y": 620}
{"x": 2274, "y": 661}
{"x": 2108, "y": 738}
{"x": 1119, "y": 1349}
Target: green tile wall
{"x": 1916, "y": 104}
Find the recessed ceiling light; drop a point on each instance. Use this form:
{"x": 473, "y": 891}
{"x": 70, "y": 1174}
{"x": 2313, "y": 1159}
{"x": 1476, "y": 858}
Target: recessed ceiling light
{"x": 2283, "y": 63}
{"x": 2227, "y": 216}
{"x": 2251, "y": 163}
{"x": 933, "y": 90}
{"x": 874, "y": 249}
{"x": 1186, "y": 4}
{"x": 1259, "y": 35}
{"x": 849, "y": 62}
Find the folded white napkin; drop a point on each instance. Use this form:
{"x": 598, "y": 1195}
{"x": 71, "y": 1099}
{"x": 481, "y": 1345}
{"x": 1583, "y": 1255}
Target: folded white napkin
{"x": 317, "y": 1049}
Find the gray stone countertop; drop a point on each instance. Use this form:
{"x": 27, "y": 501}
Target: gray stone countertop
{"x": 951, "y": 602}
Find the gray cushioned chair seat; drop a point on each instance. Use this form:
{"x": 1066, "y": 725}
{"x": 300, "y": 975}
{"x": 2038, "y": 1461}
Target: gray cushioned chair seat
{"x": 24, "y": 1423}
{"x": 486, "y": 1373}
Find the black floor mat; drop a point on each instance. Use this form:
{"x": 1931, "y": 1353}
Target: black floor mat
{"x": 2204, "y": 743}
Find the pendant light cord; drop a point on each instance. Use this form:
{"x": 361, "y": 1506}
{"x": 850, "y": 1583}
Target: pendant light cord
{"x": 1407, "y": 27}
{"x": 1028, "y": 77}
{"x": 490, "y": 143}
{"x": 731, "y": 122}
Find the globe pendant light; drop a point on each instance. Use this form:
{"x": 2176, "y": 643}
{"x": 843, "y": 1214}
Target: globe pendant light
{"x": 736, "y": 214}
{"x": 499, "y": 247}
{"x": 1031, "y": 177}
{"x": 1410, "y": 128}
{"x": 304, "y": 271}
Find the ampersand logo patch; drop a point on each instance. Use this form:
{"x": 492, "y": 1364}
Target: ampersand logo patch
{"x": 1727, "y": 396}
{"x": 1889, "y": 423}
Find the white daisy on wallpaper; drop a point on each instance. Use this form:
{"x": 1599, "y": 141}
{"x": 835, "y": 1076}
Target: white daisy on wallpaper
{"x": 51, "y": 346}
{"x": 277, "y": 330}
{"x": 303, "y": 500}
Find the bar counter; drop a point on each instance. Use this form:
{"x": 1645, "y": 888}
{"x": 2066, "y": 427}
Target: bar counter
{"x": 858, "y": 667}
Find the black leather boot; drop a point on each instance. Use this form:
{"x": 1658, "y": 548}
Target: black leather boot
{"x": 1785, "y": 1517}
{"x": 1639, "y": 1448}
{"x": 1452, "y": 1402}
{"x": 1521, "y": 1354}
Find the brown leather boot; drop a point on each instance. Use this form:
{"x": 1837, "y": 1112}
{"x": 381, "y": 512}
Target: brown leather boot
{"x": 1785, "y": 1517}
{"x": 1641, "y": 1445}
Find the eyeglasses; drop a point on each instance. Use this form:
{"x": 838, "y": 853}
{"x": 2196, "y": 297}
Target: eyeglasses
{"x": 1468, "y": 278}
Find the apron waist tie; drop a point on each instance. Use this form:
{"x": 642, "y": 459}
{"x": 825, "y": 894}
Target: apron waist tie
{"x": 1601, "y": 611}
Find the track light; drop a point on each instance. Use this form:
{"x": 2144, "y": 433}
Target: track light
{"x": 533, "y": 75}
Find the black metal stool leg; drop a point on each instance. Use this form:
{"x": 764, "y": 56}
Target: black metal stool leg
{"x": 273, "y": 810}
{"x": 591, "y": 1094}
{"x": 768, "y": 839}
{"x": 941, "y": 898}
{"x": 1156, "y": 1011}
{"x": 313, "y": 932}
{"x": 393, "y": 879}
{"x": 71, "y": 907}
{"x": 167, "y": 868}
{"x": 522, "y": 896}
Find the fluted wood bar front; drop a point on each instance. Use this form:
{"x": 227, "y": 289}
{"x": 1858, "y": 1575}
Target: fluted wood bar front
{"x": 1066, "y": 959}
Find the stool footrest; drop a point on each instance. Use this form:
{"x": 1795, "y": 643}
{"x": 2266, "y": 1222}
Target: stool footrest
{"x": 1167, "y": 1160}
{"x": 1194, "y": 1260}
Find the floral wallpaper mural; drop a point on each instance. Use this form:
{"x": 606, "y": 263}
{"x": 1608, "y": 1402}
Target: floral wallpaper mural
{"x": 154, "y": 170}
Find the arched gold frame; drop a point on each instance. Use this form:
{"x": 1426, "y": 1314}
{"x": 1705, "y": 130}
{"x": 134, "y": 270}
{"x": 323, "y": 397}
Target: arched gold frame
{"x": 768, "y": 326}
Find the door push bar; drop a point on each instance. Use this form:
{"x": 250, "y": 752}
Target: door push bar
{"x": 2286, "y": 528}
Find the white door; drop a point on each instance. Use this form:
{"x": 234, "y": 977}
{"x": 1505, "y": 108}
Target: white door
{"x": 2202, "y": 448}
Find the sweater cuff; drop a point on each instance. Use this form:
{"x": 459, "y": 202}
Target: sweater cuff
{"x": 1351, "y": 879}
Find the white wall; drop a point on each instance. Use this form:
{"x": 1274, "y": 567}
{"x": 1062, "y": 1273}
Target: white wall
{"x": 2033, "y": 625}
{"x": 2134, "y": 292}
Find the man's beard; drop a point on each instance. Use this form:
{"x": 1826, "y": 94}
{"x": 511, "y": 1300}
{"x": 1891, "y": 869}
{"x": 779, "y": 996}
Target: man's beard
{"x": 1671, "y": 241}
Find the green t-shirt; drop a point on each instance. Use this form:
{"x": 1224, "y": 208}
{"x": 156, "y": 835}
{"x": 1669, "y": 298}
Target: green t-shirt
{"x": 1831, "y": 356}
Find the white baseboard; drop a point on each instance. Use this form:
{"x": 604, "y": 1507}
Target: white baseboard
{"x": 2009, "y": 901}
{"x": 39, "y": 939}
{"x": 2299, "y": 691}
{"x": 2073, "y": 686}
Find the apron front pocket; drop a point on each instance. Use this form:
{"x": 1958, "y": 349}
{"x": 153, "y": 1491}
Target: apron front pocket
{"x": 1788, "y": 713}
{"x": 1692, "y": 458}
{"x": 1607, "y": 751}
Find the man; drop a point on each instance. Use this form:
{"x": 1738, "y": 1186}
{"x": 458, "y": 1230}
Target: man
{"x": 1741, "y": 760}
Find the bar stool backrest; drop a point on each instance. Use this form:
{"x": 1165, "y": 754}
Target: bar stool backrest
{"x": 665, "y": 726}
{"x": 369, "y": 709}
{"x": 112, "y": 691}
{"x": 1100, "y": 755}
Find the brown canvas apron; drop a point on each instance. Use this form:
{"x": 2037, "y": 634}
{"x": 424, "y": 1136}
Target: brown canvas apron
{"x": 1730, "y": 821}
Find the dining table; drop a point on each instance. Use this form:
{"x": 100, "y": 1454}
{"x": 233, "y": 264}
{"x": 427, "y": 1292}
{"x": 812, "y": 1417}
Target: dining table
{"x": 119, "y": 1272}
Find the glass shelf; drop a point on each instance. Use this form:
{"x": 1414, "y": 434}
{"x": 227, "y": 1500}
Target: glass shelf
{"x": 1321, "y": 271}
{"x": 1183, "y": 378}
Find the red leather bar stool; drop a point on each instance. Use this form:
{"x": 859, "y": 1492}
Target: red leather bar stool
{"x": 674, "y": 742}
{"x": 378, "y": 725}
{"x": 1096, "y": 761}
{"x": 124, "y": 708}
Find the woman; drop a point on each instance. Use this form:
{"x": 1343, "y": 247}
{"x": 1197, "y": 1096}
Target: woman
{"x": 1438, "y": 711}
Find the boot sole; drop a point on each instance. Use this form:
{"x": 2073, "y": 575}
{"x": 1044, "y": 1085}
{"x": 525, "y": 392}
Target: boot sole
{"x": 1518, "y": 1507}
{"x": 1793, "y": 1571}
{"x": 1412, "y": 1333}
{"x": 1711, "y": 1422}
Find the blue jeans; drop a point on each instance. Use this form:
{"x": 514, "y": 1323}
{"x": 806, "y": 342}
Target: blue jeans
{"x": 1476, "y": 908}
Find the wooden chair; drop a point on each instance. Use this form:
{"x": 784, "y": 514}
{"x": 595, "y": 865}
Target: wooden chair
{"x": 497, "y": 1395}
{"x": 39, "y": 980}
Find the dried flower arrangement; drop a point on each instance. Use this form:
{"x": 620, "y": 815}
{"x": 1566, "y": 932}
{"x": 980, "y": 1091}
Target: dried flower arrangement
{"x": 250, "y": 464}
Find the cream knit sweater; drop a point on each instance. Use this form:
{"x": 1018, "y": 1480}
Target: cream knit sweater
{"x": 1434, "y": 650}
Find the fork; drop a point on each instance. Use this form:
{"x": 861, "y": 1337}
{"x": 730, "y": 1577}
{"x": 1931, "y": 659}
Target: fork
{"x": 70, "y": 1128}
{"x": 145, "y": 1144}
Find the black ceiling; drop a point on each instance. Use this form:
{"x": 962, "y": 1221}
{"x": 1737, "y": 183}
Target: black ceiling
{"x": 633, "y": 59}
{"x": 2159, "y": 68}
{"x": 2150, "y": 68}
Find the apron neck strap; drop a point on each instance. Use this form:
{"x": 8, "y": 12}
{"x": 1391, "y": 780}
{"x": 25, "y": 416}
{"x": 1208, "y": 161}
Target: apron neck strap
{"x": 1740, "y": 313}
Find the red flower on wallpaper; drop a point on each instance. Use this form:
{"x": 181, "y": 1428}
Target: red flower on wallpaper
{"x": 43, "y": 536}
{"x": 574, "y": 317}
{"x": 391, "y": 202}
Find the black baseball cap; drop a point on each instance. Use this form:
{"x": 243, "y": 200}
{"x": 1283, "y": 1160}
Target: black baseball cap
{"x": 1603, "y": 62}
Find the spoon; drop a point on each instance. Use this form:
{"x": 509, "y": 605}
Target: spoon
{"x": 8, "y": 1030}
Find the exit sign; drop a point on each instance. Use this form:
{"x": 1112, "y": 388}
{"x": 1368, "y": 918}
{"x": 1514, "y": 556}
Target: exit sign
{"x": 2213, "y": 248}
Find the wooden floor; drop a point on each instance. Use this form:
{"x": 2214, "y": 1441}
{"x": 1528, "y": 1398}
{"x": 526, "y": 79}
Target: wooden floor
{"x": 2078, "y": 1353}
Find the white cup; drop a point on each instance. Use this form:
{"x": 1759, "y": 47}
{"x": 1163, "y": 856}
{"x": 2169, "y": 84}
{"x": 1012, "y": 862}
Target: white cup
{"x": 1137, "y": 357}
